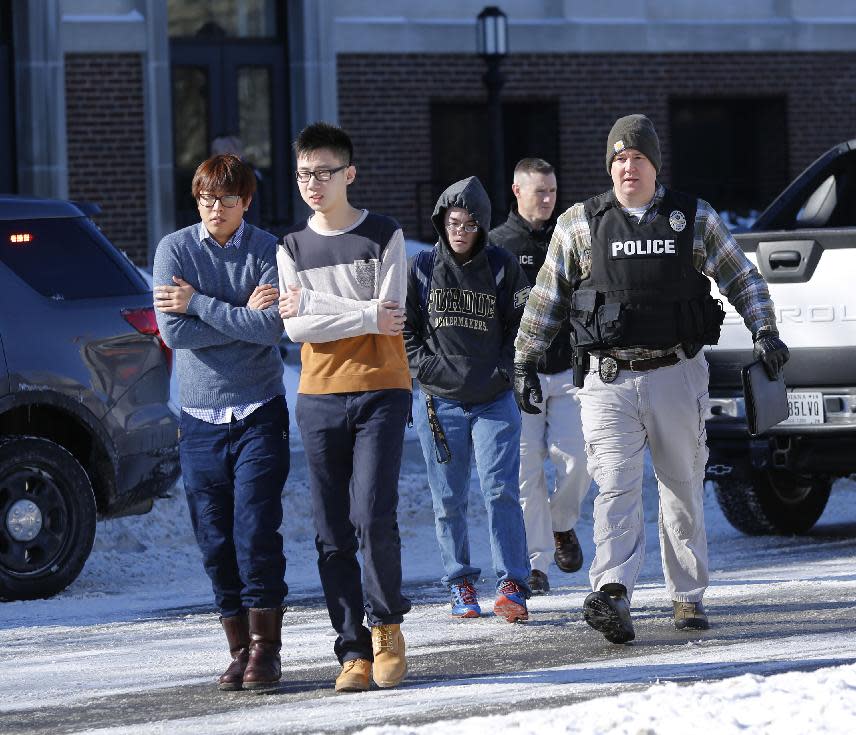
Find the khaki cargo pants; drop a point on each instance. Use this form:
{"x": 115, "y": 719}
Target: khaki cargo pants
{"x": 555, "y": 433}
{"x": 662, "y": 409}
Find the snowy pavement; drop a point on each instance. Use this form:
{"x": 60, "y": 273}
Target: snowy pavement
{"x": 133, "y": 647}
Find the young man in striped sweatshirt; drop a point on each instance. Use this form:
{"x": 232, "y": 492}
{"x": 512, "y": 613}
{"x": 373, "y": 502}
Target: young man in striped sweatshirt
{"x": 342, "y": 278}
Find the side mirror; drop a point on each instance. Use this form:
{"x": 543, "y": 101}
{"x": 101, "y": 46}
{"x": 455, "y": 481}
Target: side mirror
{"x": 819, "y": 207}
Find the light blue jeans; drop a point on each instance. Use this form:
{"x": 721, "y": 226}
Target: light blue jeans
{"x": 490, "y": 433}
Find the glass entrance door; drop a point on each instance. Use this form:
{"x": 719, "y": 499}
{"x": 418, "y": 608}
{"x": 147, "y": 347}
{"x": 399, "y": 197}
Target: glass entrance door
{"x": 229, "y": 94}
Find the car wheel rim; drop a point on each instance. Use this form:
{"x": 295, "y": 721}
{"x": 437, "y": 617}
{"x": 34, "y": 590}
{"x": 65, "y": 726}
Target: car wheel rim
{"x": 36, "y": 521}
{"x": 24, "y": 520}
{"x": 791, "y": 491}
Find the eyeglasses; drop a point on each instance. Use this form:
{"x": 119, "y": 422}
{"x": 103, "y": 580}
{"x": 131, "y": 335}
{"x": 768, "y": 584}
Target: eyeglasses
{"x": 459, "y": 226}
{"x": 320, "y": 174}
{"x": 228, "y": 200}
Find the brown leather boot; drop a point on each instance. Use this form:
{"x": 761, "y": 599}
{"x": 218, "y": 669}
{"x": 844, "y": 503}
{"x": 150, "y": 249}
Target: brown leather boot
{"x": 263, "y": 669}
{"x": 237, "y": 631}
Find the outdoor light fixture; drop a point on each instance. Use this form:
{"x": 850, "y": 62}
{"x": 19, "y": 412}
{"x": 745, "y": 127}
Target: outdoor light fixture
{"x": 492, "y": 46}
{"x": 492, "y": 33}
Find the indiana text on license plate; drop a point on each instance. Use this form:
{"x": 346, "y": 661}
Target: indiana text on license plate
{"x": 804, "y": 408}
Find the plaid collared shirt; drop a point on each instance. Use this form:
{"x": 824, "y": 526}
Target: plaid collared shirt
{"x": 223, "y": 415}
{"x": 715, "y": 253}
{"x": 232, "y": 242}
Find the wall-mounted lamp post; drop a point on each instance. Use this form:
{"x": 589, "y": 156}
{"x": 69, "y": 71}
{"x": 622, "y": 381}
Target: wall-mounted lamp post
{"x": 492, "y": 45}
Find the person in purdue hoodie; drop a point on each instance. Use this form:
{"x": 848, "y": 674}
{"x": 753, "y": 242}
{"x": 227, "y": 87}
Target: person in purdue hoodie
{"x": 630, "y": 269}
{"x": 464, "y": 301}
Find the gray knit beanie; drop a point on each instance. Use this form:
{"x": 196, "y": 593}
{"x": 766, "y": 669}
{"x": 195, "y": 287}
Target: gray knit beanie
{"x": 633, "y": 131}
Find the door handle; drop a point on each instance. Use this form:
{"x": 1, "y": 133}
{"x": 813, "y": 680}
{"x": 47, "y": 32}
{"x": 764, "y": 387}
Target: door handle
{"x": 785, "y": 259}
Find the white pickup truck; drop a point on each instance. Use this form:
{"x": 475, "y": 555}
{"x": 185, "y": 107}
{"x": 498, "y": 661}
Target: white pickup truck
{"x": 804, "y": 244}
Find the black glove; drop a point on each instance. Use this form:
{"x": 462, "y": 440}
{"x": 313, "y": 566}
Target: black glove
{"x": 527, "y": 386}
{"x": 774, "y": 353}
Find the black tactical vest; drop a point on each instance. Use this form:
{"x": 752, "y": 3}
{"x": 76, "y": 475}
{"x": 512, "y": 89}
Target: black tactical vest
{"x": 643, "y": 289}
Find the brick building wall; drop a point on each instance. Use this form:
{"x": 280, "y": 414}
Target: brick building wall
{"x": 385, "y": 104}
{"x": 106, "y": 144}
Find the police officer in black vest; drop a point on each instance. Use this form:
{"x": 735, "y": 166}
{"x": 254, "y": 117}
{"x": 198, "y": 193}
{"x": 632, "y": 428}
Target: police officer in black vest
{"x": 550, "y": 514}
{"x": 628, "y": 268}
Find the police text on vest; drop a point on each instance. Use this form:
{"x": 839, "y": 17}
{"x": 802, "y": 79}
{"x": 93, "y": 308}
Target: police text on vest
{"x": 642, "y": 247}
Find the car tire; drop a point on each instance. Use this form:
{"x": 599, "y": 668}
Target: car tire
{"x": 770, "y": 502}
{"x": 47, "y": 518}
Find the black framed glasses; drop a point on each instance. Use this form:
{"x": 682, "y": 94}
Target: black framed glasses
{"x": 320, "y": 174}
{"x": 227, "y": 200}
{"x": 460, "y": 226}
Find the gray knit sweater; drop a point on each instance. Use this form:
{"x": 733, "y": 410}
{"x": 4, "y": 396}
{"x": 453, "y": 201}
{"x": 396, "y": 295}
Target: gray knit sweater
{"x": 225, "y": 353}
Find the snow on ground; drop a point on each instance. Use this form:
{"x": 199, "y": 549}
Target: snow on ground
{"x": 823, "y": 702}
{"x": 144, "y": 570}
{"x": 117, "y": 615}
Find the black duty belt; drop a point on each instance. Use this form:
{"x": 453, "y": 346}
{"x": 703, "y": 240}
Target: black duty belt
{"x": 649, "y": 363}
{"x": 609, "y": 366}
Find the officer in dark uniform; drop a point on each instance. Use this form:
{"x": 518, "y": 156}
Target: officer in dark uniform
{"x": 550, "y": 514}
{"x": 628, "y": 269}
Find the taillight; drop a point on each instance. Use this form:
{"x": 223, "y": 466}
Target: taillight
{"x": 144, "y": 321}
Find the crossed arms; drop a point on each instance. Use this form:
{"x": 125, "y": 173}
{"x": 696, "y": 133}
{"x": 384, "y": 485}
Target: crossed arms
{"x": 189, "y": 319}
{"x": 312, "y": 315}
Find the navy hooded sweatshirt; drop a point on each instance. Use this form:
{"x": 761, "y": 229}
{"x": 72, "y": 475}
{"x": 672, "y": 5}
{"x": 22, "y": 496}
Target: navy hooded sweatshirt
{"x": 466, "y": 350}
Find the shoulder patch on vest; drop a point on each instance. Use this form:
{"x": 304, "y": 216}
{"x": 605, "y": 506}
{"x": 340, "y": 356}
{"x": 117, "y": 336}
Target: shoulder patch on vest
{"x": 677, "y": 220}
{"x": 520, "y": 297}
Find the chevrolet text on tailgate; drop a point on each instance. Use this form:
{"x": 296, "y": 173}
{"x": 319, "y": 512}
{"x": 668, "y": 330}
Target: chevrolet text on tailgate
{"x": 805, "y": 246}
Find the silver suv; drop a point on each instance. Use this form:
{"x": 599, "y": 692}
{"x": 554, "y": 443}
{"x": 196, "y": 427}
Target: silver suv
{"x": 804, "y": 244}
{"x": 86, "y": 430}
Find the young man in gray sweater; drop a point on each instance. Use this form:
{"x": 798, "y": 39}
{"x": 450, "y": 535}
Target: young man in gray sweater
{"x": 216, "y": 302}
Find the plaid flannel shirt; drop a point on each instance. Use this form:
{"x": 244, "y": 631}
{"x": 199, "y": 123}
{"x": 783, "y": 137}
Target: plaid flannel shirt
{"x": 715, "y": 253}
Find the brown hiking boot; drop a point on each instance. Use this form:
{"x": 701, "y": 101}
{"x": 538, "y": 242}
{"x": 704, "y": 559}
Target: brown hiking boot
{"x": 568, "y": 554}
{"x": 690, "y": 615}
{"x": 354, "y": 676}
{"x": 263, "y": 668}
{"x": 390, "y": 665}
{"x": 237, "y": 630}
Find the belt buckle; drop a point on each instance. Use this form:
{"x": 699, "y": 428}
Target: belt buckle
{"x": 607, "y": 368}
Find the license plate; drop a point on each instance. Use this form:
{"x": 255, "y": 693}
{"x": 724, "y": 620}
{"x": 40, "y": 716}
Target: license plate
{"x": 804, "y": 408}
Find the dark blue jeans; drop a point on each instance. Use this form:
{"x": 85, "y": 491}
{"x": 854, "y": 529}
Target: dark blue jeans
{"x": 353, "y": 444}
{"x": 233, "y": 479}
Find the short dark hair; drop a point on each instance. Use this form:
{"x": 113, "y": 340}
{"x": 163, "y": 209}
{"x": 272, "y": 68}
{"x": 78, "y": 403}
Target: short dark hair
{"x": 324, "y": 135}
{"x": 225, "y": 173}
{"x": 533, "y": 166}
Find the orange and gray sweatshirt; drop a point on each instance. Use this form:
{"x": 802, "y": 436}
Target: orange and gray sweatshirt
{"x": 344, "y": 275}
